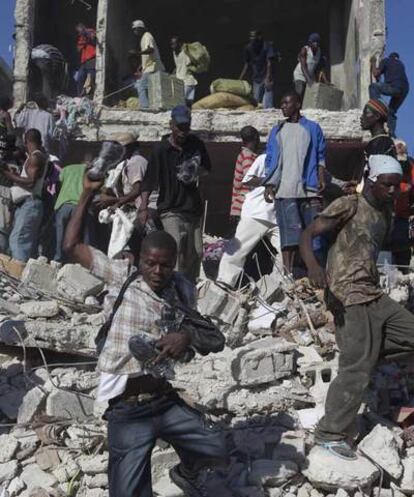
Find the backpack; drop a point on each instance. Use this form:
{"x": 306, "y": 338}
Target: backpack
{"x": 102, "y": 335}
{"x": 199, "y": 56}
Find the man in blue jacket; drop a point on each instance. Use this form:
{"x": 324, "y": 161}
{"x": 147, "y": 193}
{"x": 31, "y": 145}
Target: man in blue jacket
{"x": 295, "y": 176}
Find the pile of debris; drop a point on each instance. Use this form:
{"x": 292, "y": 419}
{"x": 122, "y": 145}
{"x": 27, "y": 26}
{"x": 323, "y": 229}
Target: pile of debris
{"x": 266, "y": 391}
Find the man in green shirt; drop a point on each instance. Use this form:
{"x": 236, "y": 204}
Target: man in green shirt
{"x": 71, "y": 180}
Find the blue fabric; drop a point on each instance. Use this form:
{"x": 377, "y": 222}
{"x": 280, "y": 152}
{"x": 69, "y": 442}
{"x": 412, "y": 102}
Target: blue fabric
{"x": 257, "y": 59}
{"x": 142, "y": 88}
{"x": 133, "y": 431}
{"x": 376, "y": 90}
{"x": 86, "y": 68}
{"x": 314, "y": 157}
{"x": 394, "y": 73}
{"x": 24, "y": 235}
{"x": 262, "y": 95}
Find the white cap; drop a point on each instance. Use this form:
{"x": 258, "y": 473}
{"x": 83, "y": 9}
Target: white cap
{"x": 383, "y": 164}
{"x": 138, "y": 24}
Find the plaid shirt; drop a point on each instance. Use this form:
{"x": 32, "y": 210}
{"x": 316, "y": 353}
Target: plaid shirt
{"x": 139, "y": 310}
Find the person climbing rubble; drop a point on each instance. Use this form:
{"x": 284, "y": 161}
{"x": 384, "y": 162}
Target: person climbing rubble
{"x": 150, "y": 60}
{"x": 373, "y": 119}
{"x": 257, "y": 221}
{"x": 368, "y": 323}
{"x": 395, "y": 85}
{"x": 295, "y": 176}
{"x": 144, "y": 407}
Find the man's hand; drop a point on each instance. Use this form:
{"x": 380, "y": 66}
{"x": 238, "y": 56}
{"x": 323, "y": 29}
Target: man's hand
{"x": 104, "y": 200}
{"x": 321, "y": 182}
{"x": 317, "y": 276}
{"x": 268, "y": 82}
{"x": 350, "y": 187}
{"x": 173, "y": 345}
{"x": 269, "y": 194}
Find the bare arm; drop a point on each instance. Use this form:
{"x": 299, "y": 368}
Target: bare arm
{"x": 34, "y": 170}
{"x": 318, "y": 227}
{"x": 131, "y": 196}
{"x": 143, "y": 210}
{"x": 269, "y": 67}
{"x": 253, "y": 182}
{"x": 302, "y": 59}
{"x": 244, "y": 71}
{"x": 72, "y": 245}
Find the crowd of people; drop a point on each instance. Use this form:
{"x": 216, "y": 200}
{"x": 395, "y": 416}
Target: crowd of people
{"x": 139, "y": 229}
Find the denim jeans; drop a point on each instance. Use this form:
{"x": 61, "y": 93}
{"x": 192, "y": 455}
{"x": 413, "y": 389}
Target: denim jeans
{"x": 86, "y": 68}
{"x": 133, "y": 430}
{"x": 24, "y": 235}
{"x": 62, "y": 217}
{"x": 142, "y": 88}
{"x": 262, "y": 95}
{"x": 397, "y": 98}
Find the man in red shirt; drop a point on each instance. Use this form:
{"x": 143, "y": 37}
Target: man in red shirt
{"x": 248, "y": 153}
{"x": 86, "y": 44}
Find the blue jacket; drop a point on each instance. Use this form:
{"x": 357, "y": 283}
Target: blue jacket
{"x": 313, "y": 154}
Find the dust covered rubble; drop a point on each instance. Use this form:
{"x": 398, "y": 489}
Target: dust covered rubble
{"x": 266, "y": 391}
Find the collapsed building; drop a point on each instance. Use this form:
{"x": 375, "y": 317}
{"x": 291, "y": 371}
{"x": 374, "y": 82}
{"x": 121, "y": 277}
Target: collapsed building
{"x": 352, "y": 32}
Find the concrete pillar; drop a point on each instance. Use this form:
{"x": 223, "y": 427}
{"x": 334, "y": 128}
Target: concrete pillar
{"x": 24, "y": 24}
{"x": 101, "y": 27}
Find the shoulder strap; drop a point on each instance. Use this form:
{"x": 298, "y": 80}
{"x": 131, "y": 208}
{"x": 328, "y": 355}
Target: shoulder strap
{"x": 120, "y": 296}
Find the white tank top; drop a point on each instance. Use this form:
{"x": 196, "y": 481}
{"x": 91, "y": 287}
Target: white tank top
{"x": 18, "y": 193}
{"x": 312, "y": 61}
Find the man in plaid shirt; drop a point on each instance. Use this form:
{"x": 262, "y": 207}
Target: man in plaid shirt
{"x": 142, "y": 407}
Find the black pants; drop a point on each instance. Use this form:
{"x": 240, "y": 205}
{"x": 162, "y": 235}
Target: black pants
{"x": 133, "y": 431}
{"x": 368, "y": 332}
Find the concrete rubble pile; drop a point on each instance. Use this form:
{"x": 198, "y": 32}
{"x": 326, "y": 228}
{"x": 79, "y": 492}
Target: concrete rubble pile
{"x": 266, "y": 391}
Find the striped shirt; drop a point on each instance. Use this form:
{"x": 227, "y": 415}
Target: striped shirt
{"x": 245, "y": 160}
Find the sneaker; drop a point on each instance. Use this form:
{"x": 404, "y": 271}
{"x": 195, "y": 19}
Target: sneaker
{"x": 191, "y": 487}
{"x": 339, "y": 449}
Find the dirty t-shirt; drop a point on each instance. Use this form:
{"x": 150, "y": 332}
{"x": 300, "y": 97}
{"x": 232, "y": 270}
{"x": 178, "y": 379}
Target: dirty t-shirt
{"x": 351, "y": 269}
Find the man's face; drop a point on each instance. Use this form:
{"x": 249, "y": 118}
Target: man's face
{"x": 314, "y": 45}
{"x": 289, "y": 106}
{"x": 175, "y": 45}
{"x": 157, "y": 266}
{"x": 368, "y": 119}
{"x": 180, "y": 132}
{"x": 387, "y": 188}
{"x": 138, "y": 32}
{"x": 80, "y": 28}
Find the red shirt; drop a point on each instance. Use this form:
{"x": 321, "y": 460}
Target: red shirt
{"x": 406, "y": 197}
{"x": 245, "y": 160}
{"x": 87, "y": 45}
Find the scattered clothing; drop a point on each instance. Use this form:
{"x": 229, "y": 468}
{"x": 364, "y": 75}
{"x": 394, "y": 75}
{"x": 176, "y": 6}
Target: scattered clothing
{"x": 244, "y": 162}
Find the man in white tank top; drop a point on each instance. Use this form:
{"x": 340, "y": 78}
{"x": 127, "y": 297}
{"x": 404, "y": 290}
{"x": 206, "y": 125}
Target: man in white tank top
{"x": 27, "y": 196}
{"x": 309, "y": 59}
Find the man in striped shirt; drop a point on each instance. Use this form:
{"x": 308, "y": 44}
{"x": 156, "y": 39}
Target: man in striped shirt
{"x": 250, "y": 144}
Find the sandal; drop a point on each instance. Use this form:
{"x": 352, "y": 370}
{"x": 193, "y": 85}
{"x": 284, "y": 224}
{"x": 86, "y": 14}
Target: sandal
{"x": 339, "y": 449}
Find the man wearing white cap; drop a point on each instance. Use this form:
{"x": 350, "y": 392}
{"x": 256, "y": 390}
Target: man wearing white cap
{"x": 150, "y": 60}
{"x": 368, "y": 323}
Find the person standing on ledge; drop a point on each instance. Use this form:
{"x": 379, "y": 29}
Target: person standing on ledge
{"x": 309, "y": 59}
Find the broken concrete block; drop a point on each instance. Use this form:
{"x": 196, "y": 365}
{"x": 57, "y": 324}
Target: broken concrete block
{"x": 269, "y": 473}
{"x": 270, "y": 287}
{"x": 39, "y": 309}
{"x": 11, "y": 266}
{"x": 291, "y": 447}
{"x": 407, "y": 483}
{"x": 98, "y": 481}
{"x": 16, "y": 486}
{"x": 66, "y": 470}
{"x": 309, "y": 418}
{"x": 215, "y": 302}
{"x": 34, "y": 477}
{"x": 8, "y": 471}
{"x": 326, "y": 471}
{"x": 8, "y": 448}
{"x": 9, "y": 308}
{"x": 260, "y": 366}
{"x": 381, "y": 447}
{"x": 164, "y": 487}
{"x": 40, "y": 275}
{"x": 234, "y": 337}
{"x": 31, "y": 404}
{"x": 77, "y": 283}
{"x": 69, "y": 405}
{"x": 323, "y": 96}
{"x": 47, "y": 458}
{"x": 93, "y": 465}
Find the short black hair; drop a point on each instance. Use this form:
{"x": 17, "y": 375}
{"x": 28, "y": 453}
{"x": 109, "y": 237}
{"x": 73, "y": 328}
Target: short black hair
{"x": 6, "y": 103}
{"x": 159, "y": 240}
{"x": 395, "y": 55}
{"x": 294, "y": 94}
{"x": 249, "y": 134}
{"x": 34, "y": 136}
{"x": 41, "y": 100}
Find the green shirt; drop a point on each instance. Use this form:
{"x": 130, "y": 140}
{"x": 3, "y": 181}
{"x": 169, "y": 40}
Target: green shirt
{"x": 71, "y": 179}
